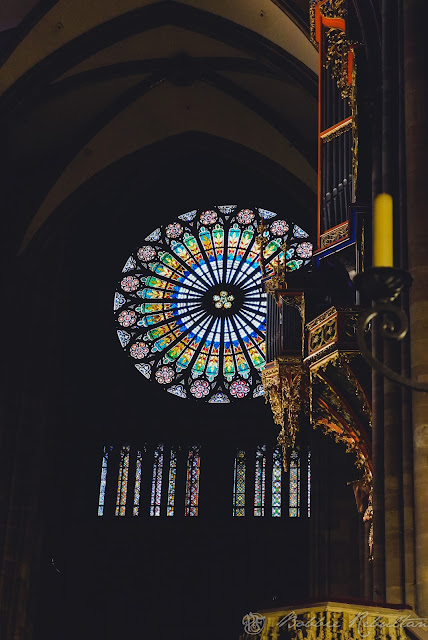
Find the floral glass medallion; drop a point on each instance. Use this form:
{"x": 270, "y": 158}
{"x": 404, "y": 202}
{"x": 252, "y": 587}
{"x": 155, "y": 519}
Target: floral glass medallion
{"x": 190, "y": 311}
{"x": 224, "y": 300}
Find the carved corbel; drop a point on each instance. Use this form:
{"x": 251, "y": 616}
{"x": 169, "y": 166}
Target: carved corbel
{"x": 285, "y": 390}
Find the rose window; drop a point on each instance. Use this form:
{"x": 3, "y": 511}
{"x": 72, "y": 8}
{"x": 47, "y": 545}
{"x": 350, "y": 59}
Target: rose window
{"x": 189, "y": 306}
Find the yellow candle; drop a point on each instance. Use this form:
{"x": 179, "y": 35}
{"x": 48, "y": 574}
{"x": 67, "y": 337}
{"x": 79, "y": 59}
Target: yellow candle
{"x": 382, "y": 231}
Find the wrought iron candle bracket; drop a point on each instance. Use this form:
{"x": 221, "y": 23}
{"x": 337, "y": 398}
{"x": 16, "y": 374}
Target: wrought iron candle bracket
{"x": 383, "y": 285}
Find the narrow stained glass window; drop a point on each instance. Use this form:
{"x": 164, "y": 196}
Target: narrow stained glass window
{"x": 276, "y": 483}
{"x": 137, "y": 487}
{"x": 103, "y": 482}
{"x": 309, "y": 484}
{"x": 122, "y": 483}
{"x": 239, "y": 485}
{"x": 260, "y": 482}
{"x": 171, "y": 483}
{"x": 294, "y": 501}
{"x": 156, "y": 495}
{"x": 192, "y": 482}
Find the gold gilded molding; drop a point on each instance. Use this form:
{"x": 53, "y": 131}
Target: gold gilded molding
{"x": 331, "y": 621}
{"x": 332, "y": 426}
{"x": 295, "y": 300}
{"x": 284, "y": 387}
{"x": 337, "y": 131}
{"x": 334, "y": 235}
{"x": 336, "y": 59}
{"x": 330, "y": 411}
{"x": 342, "y": 363}
{"x": 324, "y": 361}
{"x": 332, "y": 332}
{"x": 278, "y": 280}
{"x": 331, "y": 9}
{"x": 330, "y": 312}
{"x": 313, "y": 39}
{"x": 322, "y": 336}
{"x": 260, "y": 243}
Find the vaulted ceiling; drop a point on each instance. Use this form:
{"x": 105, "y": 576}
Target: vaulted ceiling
{"x": 85, "y": 85}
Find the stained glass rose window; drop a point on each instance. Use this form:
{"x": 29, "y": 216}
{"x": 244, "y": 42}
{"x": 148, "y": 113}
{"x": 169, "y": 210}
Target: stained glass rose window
{"x": 190, "y": 311}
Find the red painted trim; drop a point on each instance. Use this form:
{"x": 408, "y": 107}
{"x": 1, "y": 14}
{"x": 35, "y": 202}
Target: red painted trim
{"x": 334, "y": 23}
{"x": 350, "y": 64}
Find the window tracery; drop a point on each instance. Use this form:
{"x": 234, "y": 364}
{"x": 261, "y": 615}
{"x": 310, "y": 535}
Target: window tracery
{"x": 189, "y": 308}
{"x": 294, "y": 496}
{"x": 156, "y": 495}
{"x": 192, "y": 482}
{"x": 122, "y": 483}
{"x": 161, "y": 481}
{"x": 239, "y": 485}
{"x": 276, "y": 482}
{"x": 260, "y": 481}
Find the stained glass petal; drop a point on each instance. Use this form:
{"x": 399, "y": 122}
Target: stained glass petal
{"x": 188, "y": 217}
{"x": 155, "y": 235}
{"x": 119, "y": 301}
{"x": 129, "y": 265}
{"x": 124, "y": 337}
{"x": 267, "y": 214}
{"x": 178, "y": 390}
{"x": 219, "y": 398}
{"x": 258, "y": 391}
{"x": 145, "y": 369}
{"x": 227, "y": 209}
{"x": 299, "y": 233}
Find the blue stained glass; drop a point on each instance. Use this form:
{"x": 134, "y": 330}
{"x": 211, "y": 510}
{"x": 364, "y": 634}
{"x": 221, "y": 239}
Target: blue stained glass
{"x": 178, "y": 390}
{"x": 258, "y": 391}
{"x": 103, "y": 482}
{"x": 227, "y": 208}
{"x": 260, "y": 481}
{"x": 124, "y": 337}
{"x": 156, "y": 495}
{"x": 201, "y": 311}
{"x": 122, "y": 483}
{"x": 119, "y": 300}
{"x": 219, "y": 398}
{"x": 267, "y": 214}
{"x": 299, "y": 233}
{"x": 192, "y": 482}
{"x": 239, "y": 484}
{"x": 188, "y": 217}
{"x": 294, "y": 495}
{"x": 171, "y": 483}
{"x": 155, "y": 235}
{"x": 276, "y": 482}
{"x": 137, "y": 487}
{"x": 145, "y": 369}
{"x": 130, "y": 264}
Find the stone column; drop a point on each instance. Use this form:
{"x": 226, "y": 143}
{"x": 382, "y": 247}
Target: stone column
{"x": 416, "y": 97}
{"x": 393, "y": 182}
